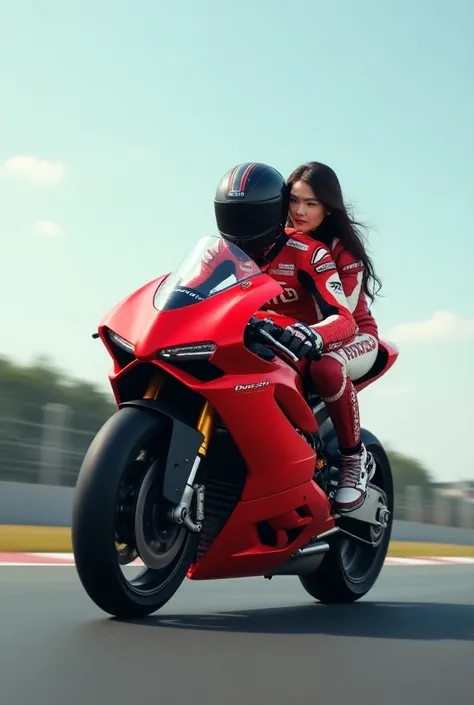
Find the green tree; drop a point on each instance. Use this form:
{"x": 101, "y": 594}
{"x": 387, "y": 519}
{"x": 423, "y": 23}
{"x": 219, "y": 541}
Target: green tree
{"x": 24, "y": 393}
{"x": 408, "y": 470}
{"x": 26, "y": 390}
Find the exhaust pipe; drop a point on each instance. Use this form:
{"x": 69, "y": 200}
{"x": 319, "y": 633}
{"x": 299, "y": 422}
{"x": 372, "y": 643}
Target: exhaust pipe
{"x": 305, "y": 562}
{"x": 307, "y": 559}
{"x": 313, "y": 550}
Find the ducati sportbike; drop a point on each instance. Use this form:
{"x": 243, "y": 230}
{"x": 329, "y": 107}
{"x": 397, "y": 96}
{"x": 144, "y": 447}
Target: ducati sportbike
{"x": 220, "y": 461}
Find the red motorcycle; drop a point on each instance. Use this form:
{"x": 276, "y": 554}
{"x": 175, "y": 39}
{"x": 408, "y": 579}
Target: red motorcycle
{"x": 220, "y": 462}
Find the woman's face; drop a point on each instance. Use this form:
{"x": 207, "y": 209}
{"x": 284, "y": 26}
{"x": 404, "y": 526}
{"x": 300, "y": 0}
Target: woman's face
{"x": 307, "y": 213}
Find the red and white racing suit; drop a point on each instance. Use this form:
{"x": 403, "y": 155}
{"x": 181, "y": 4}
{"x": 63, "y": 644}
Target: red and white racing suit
{"x": 322, "y": 289}
{"x": 352, "y": 361}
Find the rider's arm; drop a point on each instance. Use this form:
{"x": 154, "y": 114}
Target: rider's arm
{"x": 319, "y": 275}
{"x": 351, "y": 272}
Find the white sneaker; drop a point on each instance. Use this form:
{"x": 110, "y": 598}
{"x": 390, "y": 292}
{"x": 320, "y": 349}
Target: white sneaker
{"x": 355, "y": 473}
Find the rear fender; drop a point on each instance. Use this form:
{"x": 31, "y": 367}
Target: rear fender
{"x": 185, "y": 441}
{"x": 387, "y": 355}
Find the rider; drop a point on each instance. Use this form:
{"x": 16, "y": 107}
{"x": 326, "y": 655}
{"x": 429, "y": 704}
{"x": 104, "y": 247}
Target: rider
{"x": 251, "y": 207}
{"x": 317, "y": 208}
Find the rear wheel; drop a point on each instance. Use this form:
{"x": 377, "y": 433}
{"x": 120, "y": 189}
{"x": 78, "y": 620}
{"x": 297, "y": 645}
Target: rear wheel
{"x": 351, "y": 568}
{"x": 120, "y": 514}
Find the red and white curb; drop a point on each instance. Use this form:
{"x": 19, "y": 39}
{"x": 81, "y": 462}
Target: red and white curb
{"x": 39, "y": 560}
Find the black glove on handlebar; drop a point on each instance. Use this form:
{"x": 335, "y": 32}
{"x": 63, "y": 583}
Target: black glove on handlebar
{"x": 299, "y": 338}
{"x": 303, "y": 341}
{"x": 267, "y": 325}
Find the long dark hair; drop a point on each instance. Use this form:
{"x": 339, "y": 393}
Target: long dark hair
{"x": 339, "y": 224}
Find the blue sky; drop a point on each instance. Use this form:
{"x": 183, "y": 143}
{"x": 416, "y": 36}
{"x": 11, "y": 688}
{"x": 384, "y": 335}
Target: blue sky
{"x": 118, "y": 119}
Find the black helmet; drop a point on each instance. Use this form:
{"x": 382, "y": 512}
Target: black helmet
{"x": 251, "y": 206}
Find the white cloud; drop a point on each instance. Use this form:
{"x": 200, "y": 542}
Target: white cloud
{"x": 35, "y": 170}
{"x": 47, "y": 228}
{"x": 443, "y": 326}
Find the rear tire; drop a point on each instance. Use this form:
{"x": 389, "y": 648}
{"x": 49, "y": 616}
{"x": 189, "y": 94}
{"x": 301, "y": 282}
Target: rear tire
{"x": 112, "y": 483}
{"x": 350, "y": 569}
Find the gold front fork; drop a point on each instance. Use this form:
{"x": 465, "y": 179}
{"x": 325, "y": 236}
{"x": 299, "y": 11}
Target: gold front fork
{"x": 182, "y": 513}
{"x": 154, "y": 386}
{"x": 205, "y": 425}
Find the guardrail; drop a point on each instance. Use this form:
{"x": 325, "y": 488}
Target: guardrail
{"x": 36, "y": 517}
{"x": 43, "y": 448}
{"x": 37, "y": 504}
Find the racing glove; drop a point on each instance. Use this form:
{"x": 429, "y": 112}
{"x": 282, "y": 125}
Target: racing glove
{"x": 303, "y": 341}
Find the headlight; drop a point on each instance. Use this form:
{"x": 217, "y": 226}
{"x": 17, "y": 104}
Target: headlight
{"x": 121, "y": 342}
{"x": 198, "y": 351}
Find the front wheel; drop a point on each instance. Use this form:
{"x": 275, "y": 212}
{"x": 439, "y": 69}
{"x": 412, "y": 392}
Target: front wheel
{"x": 119, "y": 513}
{"x": 351, "y": 568}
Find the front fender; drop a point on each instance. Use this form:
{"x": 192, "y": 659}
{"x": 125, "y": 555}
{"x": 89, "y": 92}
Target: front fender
{"x": 185, "y": 441}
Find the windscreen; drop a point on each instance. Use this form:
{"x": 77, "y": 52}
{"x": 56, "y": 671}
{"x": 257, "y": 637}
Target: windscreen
{"x": 211, "y": 267}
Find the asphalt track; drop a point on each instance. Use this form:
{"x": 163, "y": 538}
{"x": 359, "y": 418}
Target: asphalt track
{"x": 245, "y": 642}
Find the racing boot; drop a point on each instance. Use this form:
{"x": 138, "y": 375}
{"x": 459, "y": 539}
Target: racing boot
{"x": 355, "y": 473}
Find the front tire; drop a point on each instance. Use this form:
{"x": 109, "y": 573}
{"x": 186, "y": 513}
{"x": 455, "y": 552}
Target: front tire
{"x": 118, "y": 502}
{"x": 350, "y": 568}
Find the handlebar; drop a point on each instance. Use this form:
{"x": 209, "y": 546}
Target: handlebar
{"x": 276, "y": 330}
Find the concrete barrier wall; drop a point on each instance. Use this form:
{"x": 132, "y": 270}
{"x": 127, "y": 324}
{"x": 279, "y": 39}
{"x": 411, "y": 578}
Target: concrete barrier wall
{"x": 22, "y": 504}
{"x": 35, "y": 505}
{"x": 431, "y": 533}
